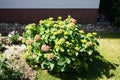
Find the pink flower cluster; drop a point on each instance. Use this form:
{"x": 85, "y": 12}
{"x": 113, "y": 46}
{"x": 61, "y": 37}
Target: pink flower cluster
{"x": 45, "y": 48}
{"x": 29, "y": 41}
{"x": 72, "y": 20}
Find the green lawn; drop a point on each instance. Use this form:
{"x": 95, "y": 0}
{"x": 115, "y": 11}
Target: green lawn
{"x": 106, "y": 69}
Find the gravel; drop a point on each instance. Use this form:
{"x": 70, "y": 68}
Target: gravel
{"x": 5, "y": 28}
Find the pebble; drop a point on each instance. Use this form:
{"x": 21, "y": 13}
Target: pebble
{"x": 5, "y": 28}
{"x": 14, "y": 49}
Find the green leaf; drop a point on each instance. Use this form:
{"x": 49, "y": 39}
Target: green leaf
{"x": 76, "y": 53}
{"x": 63, "y": 68}
{"x": 61, "y": 49}
{"x": 57, "y": 49}
{"x": 51, "y": 66}
{"x": 42, "y": 65}
{"x": 53, "y": 37}
{"x": 36, "y": 45}
{"x": 61, "y": 62}
{"x": 68, "y": 60}
{"x": 29, "y": 32}
{"x": 71, "y": 32}
{"x": 90, "y": 52}
{"x": 85, "y": 66}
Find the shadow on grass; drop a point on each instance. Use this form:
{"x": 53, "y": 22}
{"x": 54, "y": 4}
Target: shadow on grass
{"x": 97, "y": 69}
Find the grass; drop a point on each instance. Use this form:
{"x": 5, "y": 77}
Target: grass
{"x": 106, "y": 69}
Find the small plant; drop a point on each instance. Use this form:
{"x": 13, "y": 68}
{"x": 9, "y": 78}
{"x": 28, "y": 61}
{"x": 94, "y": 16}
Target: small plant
{"x": 58, "y": 45}
{"x": 13, "y": 37}
{"x": 7, "y": 72}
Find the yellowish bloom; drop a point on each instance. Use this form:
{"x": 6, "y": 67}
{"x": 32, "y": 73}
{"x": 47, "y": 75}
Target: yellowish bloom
{"x": 66, "y": 33}
{"x": 23, "y": 40}
{"x": 59, "y": 18}
{"x": 40, "y": 22}
{"x": 29, "y": 41}
{"x": 88, "y": 44}
{"x": 50, "y": 56}
{"x": 55, "y": 33}
{"x": 37, "y": 37}
{"x": 94, "y": 33}
{"x": 70, "y": 25}
{"x": 45, "y": 55}
{"x": 73, "y": 40}
{"x": 59, "y": 31}
{"x": 30, "y": 26}
{"x": 51, "y": 18}
{"x": 81, "y": 31}
{"x": 62, "y": 40}
{"x": 26, "y": 55}
{"x": 61, "y": 23}
{"x": 56, "y": 46}
{"x": 89, "y": 35}
{"x": 67, "y": 43}
{"x": 77, "y": 48}
{"x": 29, "y": 47}
{"x": 83, "y": 40}
{"x": 62, "y": 26}
{"x": 59, "y": 42}
{"x": 34, "y": 56}
{"x": 55, "y": 25}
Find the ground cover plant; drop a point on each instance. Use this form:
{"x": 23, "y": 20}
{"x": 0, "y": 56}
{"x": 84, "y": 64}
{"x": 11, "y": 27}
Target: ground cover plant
{"x": 58, "y": 45}
{"x": 7, "y": 72}
{"x": 14, "y": 37}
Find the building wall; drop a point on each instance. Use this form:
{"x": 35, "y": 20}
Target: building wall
{"x": 27, "y": 11}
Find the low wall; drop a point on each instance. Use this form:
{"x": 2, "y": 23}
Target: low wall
{"x": 34, "y": 15}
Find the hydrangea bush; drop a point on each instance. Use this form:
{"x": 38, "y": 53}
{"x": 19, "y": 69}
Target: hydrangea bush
{"x": 58, "y": 45}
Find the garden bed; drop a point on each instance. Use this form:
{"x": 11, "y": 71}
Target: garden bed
{"x": 13, "y": 51}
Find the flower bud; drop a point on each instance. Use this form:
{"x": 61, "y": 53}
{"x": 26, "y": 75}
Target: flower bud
{"x": 89, "y": 34}
{"x": 37, "y": 37}
{"x": 81, "y": 31}
{"x": 94, "y": 33}
{"x": 83, "y": 40}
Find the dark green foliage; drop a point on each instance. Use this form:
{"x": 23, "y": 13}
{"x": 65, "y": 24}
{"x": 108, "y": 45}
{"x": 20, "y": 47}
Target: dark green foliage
{"x": 112, "y": 7}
